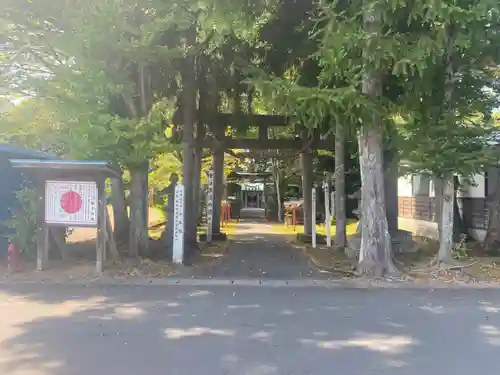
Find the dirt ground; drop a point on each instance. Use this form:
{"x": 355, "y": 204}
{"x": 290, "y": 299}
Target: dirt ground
{"x": 417, "y": 267}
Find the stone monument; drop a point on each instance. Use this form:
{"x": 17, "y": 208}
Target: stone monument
{"x": 169, "y": 212}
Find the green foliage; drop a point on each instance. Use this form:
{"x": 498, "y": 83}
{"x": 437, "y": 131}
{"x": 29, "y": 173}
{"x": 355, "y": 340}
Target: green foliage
{"x": 23, "y": 222}
{"x": 162, "y": 168}
{"x": 438, "y": 150}
{"x": 34, "y": 124}
{"x": 435, "y": 63}
{"x": 113, "y": 88}
{"x": 461, "y": 250}
{"x": 447, "y": 104}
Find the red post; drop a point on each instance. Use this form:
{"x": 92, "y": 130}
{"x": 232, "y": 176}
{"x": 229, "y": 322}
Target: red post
{"x": 294, "y": 217}
{"x": 13, "y": 258}
{"x": 286, "y": 216}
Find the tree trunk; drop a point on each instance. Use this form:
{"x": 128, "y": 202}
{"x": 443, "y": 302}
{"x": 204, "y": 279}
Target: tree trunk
{"x": 438, "y": 204}
{"x": 218, "y": 167}
{"x": 375, "y": 257}
{"x": 446, "y": 234}
{"x": 445, "y": 253}
{"x": 340, "y": 199}
{"x": 491, "y": 242}
{"x": 111, "y": 241}
{"x": 189, "y": 119}
{"x": 459, "y": 228}
{"x": 307, "y": 183}
{"x": 203, "y": 96}
{"x": 277, "y": 186}
{"x": 120, "y": 214}
{"x": 138, "y": 240}
{"x": 196, "y": 183}
{"x": 145, "y": 197}
{"x": 391, "y": 190}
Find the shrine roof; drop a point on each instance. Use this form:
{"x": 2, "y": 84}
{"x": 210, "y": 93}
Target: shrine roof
{"x": 253, "y": 174}
{"x": 67, "y": 166}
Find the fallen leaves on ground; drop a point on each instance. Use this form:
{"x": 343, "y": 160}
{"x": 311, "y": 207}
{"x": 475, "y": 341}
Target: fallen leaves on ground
{"x": 140, "y": 268}
{"x": 417, "y": 267}
{"x": 328, "y": 259}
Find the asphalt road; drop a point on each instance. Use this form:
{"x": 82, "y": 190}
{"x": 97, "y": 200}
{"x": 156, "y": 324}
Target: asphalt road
{"x": 180, "y": 330}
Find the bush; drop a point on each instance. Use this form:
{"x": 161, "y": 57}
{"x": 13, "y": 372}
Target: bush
{"x": 23, "y": 221}
{"x": 461, "y": 250}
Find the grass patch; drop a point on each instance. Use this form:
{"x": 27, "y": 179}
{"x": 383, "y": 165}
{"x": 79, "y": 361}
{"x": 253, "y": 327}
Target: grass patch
{"x": 229, "y": 228}
{"x": 320, "y": 228}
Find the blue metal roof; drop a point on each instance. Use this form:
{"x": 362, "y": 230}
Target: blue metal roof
{"x": 70, "y": 166}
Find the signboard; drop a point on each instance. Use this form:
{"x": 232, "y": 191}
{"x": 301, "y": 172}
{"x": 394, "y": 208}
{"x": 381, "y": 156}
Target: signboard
{"x": 313, "y": 211}
{"x": 71, "y": 203}
{"x": 328, "y": 221}
{"x": 210, "y": 204}
{"x": 178, "y": 242}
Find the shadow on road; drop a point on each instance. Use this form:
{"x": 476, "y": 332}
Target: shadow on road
{"x": 237, "y": 330}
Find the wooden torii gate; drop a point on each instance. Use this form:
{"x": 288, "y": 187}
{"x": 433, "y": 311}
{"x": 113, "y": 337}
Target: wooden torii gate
{"x": 219, "y": 143}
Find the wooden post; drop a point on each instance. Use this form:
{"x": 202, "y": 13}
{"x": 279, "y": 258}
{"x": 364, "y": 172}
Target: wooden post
{"x": 307, "y": 182}
{"x": 332, "y": 204}
{"x": 111, "y": 239}
{"x": 265, "y": 199}
{"x": 218, "y": 167}
{"x": 42, "y": 238}
{"x": 105, "y": 247}
{"x": 327, "y": 214}
{"x": 101, "y": 228}
{"x": 42, "y": 247}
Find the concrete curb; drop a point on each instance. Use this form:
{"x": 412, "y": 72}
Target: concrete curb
{"x": 297, "y": 283}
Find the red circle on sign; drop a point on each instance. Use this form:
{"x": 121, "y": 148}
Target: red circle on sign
{"x": 71, "y": 202}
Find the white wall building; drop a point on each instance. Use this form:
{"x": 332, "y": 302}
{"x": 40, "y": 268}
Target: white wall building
{"x": 417, "y": 204}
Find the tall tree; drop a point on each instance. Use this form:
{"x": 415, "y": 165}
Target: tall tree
{"x": 448, "y": 102}
{"x": 340, "y": 188}
{"x": 110, "y": 85}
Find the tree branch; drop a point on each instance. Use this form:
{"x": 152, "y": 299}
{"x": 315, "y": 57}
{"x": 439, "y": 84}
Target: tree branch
{"x": 143, "y": 91}
{"x": 130, "y": 105}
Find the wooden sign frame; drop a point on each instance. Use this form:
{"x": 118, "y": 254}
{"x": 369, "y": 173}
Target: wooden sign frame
{"x": 64, "y": 171}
